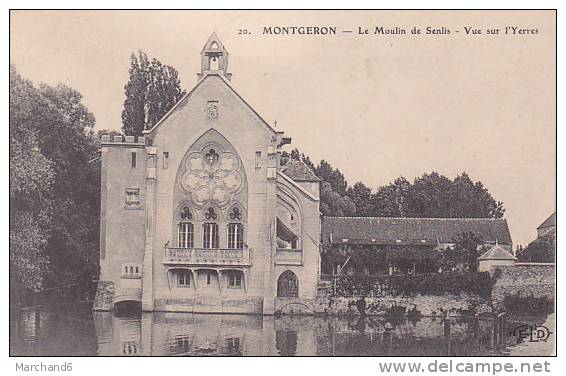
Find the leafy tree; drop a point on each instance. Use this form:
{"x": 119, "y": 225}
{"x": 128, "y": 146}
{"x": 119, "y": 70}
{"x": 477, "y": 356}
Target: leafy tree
{"x": 361, "y": 197}
{"x": 464, "y": 255}
{"x": 542, "y": 249}
{"x": 56, "y": 188}
{"x": 430, "y": 195}
{"x": 333, "y": 176}
{"x": 152, "y": 90}
{"x": 334, "y": 200}
{"x": 31, "y": 180}
{"x": 435, "y": 196}
{"x": 333, "y": 204}
{"x": 391, "y": 200}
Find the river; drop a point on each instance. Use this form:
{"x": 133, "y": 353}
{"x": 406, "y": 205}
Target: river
{"x": 74, "y": 330}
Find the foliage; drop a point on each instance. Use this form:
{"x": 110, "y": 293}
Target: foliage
{"x": 425, "y": 284}
{"x": 435, "y": 196}
{"x": 464, "y": 255}
{"x": 333, "y": 198}
{"x": 54, "y": 189}
{"x": 528, "y": 304}
{"x": 540, "y": 250}
{"x": 429, "y": 196}
{"x": 152, "y": 90}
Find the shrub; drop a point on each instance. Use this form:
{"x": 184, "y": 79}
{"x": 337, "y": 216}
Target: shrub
{"x": 425, "y": 284}
{"x": 528, "y": 304}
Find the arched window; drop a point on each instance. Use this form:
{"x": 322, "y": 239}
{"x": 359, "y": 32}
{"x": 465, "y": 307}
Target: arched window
{"x": 235, "y": 236}
{"x": 235, "y": 230}
{"x": 288, "y": 285}
{"x": 210, "y": 230}
{"x": 185, "y": 229}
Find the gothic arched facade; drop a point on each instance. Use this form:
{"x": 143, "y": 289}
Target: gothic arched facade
{"x": 201, "y": 205}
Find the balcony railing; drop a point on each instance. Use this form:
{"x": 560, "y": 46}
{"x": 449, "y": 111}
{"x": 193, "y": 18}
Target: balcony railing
{"x": 202, "y": 256}
{"x": 285, "y": 256}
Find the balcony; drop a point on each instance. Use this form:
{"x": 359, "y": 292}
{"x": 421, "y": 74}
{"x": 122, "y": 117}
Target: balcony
{"x": 208, "y": 257}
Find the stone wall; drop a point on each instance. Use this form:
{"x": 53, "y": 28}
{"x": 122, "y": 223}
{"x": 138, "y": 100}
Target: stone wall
{"x": 212, "y": 304}
{"x": 427, "y": 305}
{"x": 524, "y": 279}
{"x": 103, "y": 297}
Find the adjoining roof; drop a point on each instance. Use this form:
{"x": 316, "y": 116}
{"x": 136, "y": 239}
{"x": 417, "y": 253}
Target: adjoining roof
{"x": 299, "y": 171}
{"x": 411, "y": 231}
{"x": 497, "y": 253}
{"x": 549, "y": 222}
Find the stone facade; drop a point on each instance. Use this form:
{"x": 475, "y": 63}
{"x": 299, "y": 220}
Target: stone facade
{"x": 197, "y": 215}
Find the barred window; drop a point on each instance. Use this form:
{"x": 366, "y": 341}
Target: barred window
{"x": 235, "y": 236}
{"x": 210, "y": 238}
{"x": 185, "y": 235}
{"x": 184, "y": 278}
{"x": 235, "y": 280}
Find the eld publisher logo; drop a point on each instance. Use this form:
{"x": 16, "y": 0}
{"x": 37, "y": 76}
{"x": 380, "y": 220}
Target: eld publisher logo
{"x": 532, "y": 333}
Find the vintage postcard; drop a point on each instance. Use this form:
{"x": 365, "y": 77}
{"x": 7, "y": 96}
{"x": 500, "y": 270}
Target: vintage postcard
{"x": 282, "y": 183}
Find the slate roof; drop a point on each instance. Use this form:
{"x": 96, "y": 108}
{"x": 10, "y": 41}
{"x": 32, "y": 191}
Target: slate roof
{"x": 497, "y": 253}
{"x": 549, "y": 222}
{"x": 410, "y": 231}
{"x": 299, "y": 171}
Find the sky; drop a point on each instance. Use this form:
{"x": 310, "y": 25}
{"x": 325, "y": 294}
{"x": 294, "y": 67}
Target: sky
{"x": 375, "y": 106}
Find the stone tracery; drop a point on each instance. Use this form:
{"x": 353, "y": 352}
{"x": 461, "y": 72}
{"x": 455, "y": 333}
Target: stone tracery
{"x": 212, "y": 175}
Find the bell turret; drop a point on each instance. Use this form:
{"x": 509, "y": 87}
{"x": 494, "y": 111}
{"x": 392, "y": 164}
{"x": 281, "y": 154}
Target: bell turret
{"x": 214, "y": 58}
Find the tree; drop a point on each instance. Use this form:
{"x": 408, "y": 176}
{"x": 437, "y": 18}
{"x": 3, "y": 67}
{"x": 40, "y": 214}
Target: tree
{"x": 436, "y": 196}
{"x": 429, "y": 196}
{"x": 333, "y": 204}
{"x": 152, "y": 90}
{"x": 361, "y": 197}
{"x": 464, "y": 255}
{"x": 334, "y": 177}
{"x": 31, "y": 180}
{"x": 54, "y": 189}
{"x": 542, "y": 249}
{"x": 391, "y": 200}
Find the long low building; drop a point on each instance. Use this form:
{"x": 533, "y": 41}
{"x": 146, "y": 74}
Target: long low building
{"x": 403, "y": 238}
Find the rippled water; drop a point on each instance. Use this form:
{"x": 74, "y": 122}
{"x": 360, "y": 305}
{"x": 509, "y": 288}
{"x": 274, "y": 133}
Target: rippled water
{"x": 76, "y": 330}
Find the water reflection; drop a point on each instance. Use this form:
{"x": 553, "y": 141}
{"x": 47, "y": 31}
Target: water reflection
{"x": 78, "y": 331}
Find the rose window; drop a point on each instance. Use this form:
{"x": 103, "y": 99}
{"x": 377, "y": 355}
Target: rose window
{"x": 212, "y": 175}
